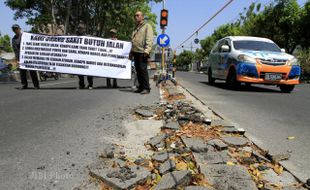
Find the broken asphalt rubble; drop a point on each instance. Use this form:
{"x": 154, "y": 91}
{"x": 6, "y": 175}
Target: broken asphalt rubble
{"x": 191, "y": 151}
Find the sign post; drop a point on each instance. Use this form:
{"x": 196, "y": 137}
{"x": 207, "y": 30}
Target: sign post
{"x": 163, "y": 41}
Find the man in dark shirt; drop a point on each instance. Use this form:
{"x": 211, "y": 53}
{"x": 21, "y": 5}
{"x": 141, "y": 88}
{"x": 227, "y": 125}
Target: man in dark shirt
{"x": 113, "y": 37}
{"x": 82, "y": 32}
{"x": 23, "y": 72}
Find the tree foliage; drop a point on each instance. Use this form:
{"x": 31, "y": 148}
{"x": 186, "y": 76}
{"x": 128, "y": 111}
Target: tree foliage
{"x": 304, "y": 59}
{"x": 5, "y": 43}
{"x": 221, "y": 32}
{"x": 282, "y": 21}
{"x": 185, "y": 58}
{"x": 98, "y": 15}
{"x": 305, "y": 23}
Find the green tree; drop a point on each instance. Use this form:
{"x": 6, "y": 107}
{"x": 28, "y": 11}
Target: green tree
{"x": 305, "y": 23}
{"x": 282, "y": 21}
{"x": 185, "y": 58}
{"x": 98, "y": 15}
{"x": 5, "y": 43}
{"x": 279, "y": 21}
{"x": 221, "y": 32}
{"x": 304, "y": 59}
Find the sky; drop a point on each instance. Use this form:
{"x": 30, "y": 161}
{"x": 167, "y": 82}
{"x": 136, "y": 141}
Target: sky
{"x": 185, "y": 17}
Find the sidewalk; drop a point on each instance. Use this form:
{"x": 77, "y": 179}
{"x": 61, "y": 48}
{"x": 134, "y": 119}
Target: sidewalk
{"x": 179, "y": 143}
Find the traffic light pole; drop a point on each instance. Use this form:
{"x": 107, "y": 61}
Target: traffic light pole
{"x": 163, "y": 42}
{"x": 163, "y": 49}
{"x": 163, "y": 74}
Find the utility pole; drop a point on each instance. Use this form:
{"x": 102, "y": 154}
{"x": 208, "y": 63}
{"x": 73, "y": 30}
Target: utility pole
{"x": 163, "y": 49}
{"x": 163, "y": 41}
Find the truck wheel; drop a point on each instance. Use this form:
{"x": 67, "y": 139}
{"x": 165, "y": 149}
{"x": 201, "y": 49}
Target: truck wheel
{"x": 287, "y": 88}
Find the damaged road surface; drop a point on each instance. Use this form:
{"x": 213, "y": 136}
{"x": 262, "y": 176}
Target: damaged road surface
{"x": 278, "y": 122}
{"x": 49, "y": 137}
{"x": 191, "y": 149}
{"x": 171, "y": 142}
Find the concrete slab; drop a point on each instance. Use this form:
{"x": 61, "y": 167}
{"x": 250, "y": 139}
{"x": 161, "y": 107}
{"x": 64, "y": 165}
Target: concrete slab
{"x": 226, "y": 183}
{"x": 223, "y": 170}
{"x": 235, "y": 141}
{"x": 174, "y": 180}
{"x": 172, "y": 125}
{"x": 195, "y": 144}
{"x": 162, "y": 156}
{"x": 142, "y": 130}
{"x": 120, "y": 179}
{"x": 218, "y": 144}
{"x": 213, "y": 158}
{"x": 167, "y": 166}
{"x": 145, "y": 113}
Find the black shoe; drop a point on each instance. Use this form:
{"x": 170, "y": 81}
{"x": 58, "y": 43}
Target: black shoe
{"x": 145, "y": 92}
{"x": 24, "y": 87}
{"x": 37, "y": 87}
{"x": 138, "y": 91}
{"x": 81, "y": 87}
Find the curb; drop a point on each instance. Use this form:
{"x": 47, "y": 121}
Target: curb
{"x": 223, "y": 118}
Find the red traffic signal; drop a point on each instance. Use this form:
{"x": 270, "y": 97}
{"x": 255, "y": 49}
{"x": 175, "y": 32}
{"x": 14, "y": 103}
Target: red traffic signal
{"x": 163, "y": 18}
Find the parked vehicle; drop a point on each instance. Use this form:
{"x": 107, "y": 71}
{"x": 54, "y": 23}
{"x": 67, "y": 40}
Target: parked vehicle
{"x": 44, "y": 75}
{"x": 252, "y": 60}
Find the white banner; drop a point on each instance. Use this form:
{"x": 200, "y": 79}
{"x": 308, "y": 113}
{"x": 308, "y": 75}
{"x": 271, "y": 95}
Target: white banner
{"x": 81, "y": 55}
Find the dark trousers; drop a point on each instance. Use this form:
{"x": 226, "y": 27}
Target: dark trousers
{"x": 89, "y": 80}
{"x": 142, "y": 73}
{"x": 109, "y": 82}
{"x": 23, "y": 78}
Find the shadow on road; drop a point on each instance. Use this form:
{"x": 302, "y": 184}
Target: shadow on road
{"x": 123, "y": 88}
{"x": 48, "y": 88}
{"x": 243, "y": 88}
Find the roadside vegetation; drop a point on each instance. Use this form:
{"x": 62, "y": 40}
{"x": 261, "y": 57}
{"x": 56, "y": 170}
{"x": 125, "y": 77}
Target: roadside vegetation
{"x": 283, "y": 21}
{"x": 5, "y": 43}
{"x": 98, "y": 15}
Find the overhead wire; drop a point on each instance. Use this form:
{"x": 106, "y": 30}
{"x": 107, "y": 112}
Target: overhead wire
{"x": 196, "y": 31}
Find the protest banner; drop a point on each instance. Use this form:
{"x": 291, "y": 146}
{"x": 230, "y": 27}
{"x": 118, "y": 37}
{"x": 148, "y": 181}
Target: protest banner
{"x": 81, "y": 55}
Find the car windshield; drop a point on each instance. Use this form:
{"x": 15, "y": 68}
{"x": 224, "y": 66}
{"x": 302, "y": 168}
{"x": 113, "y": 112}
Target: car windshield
{"x": 256, "y": 45}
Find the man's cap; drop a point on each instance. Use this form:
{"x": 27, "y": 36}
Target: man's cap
{"x": 113, "y": 31}
{"x": 15, "y": 26}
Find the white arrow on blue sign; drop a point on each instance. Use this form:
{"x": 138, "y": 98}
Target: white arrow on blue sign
{"x": 163, "y": 40}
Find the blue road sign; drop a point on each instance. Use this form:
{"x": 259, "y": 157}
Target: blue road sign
{"x": 163, "y": 40}
{"x": 196, "y": 41}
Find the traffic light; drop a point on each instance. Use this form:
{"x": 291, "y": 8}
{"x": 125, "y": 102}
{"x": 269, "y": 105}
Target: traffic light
{"x": 163, "y": 18}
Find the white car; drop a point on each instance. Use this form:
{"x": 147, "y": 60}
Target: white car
{"x": 244, "y": 59}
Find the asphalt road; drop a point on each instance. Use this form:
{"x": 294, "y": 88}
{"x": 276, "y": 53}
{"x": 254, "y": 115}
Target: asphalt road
{"x": 267, "y": 115}
{"x": 49, "y": 136}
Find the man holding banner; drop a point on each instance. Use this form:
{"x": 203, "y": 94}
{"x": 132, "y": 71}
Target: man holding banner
{"x": 79, "y": 55}
{"x": 113, "y": 37}
{"x": 16, "y": 43}
{"x": 81, "y": 32}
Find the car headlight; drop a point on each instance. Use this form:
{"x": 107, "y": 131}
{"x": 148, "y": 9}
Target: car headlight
{"x": 246, "y": 58}
{"x": 293, "y": 61}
